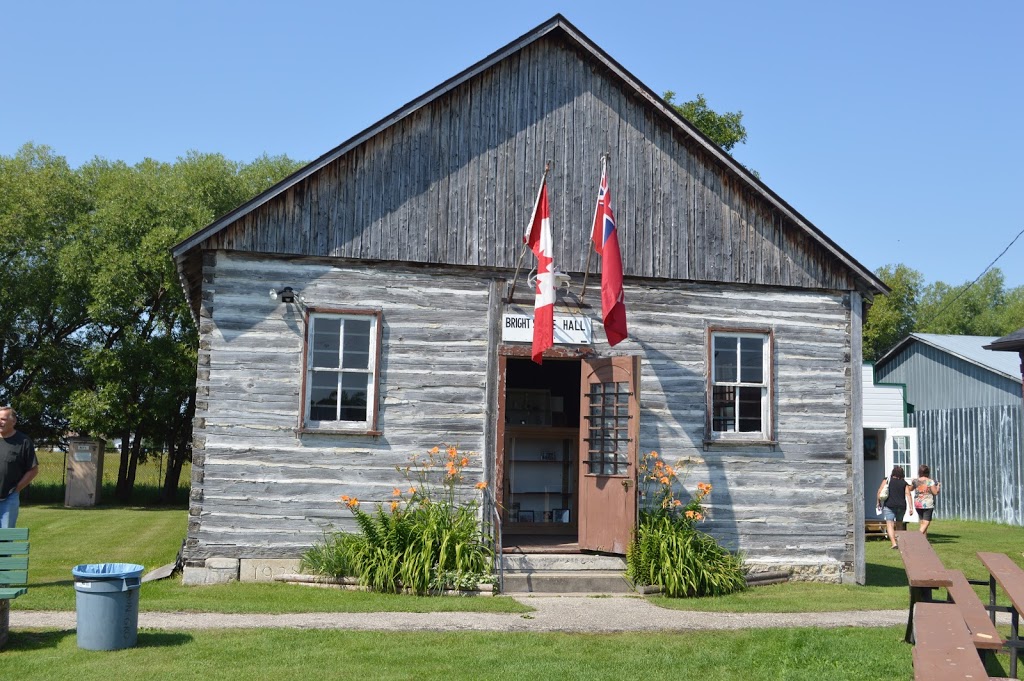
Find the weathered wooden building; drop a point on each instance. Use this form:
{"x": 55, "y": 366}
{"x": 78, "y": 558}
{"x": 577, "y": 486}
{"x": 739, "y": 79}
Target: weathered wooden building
{"x": 400, "y": 246}
{"x": 965, "y": 402}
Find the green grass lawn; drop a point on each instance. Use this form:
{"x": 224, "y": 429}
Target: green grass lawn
{"x": 61, "y": 538}
{"x": 792, "y": 654}
{"x": 956, "y": 543}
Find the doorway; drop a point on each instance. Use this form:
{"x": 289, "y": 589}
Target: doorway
{"x": 539, "y": 473}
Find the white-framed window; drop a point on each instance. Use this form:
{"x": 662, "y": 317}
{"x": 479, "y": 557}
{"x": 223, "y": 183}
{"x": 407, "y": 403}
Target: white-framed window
{"x": 739, "y": 385}
{"x": 341, "y": 371}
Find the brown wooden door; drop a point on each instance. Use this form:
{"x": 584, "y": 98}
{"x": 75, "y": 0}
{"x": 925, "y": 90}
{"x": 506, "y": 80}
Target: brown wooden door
{"x": 609, "y": 433}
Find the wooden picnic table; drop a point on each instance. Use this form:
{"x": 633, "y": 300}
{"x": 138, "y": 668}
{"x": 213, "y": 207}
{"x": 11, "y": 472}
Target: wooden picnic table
{"x": 1003, "y": 571}
{"x": 924, "y": 572}
{"x": 944, "y": 649}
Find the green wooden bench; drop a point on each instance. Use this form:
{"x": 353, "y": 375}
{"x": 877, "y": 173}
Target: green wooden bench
{"x": 13, "y": 573}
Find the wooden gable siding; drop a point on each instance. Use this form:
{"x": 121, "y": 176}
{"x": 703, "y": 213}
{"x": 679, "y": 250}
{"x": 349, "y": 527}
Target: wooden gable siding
{"x": 454, "y": 182}
{"x": 262, "y": 490}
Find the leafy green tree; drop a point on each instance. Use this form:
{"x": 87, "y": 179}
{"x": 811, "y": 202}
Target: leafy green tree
{"x": 892, "y": 317}
{"x": 95, "y": 332}
{"x": 44, "y": 286}
{"x": 981, "y": 308}
{"x": 726, "y": 129}
{"x": 142, "y": 341}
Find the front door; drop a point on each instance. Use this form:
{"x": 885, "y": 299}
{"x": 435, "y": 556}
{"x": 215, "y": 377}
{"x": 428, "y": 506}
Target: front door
{"x": 901, "y": 450}
{"x": 609, "y": 434}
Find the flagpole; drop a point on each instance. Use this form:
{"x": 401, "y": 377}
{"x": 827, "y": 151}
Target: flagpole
{"x": 522, "y": 253}
{"x": 590, "y": 246}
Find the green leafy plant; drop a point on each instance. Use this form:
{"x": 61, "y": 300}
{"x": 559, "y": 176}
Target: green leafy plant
{"x": 667, "y": 549}
{"x": 428, "y": 539}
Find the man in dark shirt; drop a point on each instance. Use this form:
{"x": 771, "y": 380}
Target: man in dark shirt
{"x": 18, "y": 466}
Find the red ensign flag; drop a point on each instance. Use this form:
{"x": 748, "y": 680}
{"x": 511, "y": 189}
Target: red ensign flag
{"x": 538, "y": 238}
{"x": 606, "y": 243}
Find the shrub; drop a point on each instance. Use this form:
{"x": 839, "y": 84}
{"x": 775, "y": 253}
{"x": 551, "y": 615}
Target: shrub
{"x": 428, "y": 539}
{"x": 667, "y": 549}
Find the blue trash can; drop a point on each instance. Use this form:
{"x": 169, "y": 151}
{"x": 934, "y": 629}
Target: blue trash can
{"x": 107, "y": 605}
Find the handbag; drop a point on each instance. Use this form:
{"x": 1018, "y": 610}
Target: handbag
{"x": 884, "y": 494}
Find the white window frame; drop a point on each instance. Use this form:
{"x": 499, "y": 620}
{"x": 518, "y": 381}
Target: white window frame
{"x": 369, "y": 425}
{"x": 766, "y": 434}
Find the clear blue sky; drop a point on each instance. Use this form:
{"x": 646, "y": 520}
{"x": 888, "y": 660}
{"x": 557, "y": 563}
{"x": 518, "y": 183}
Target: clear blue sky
{"x": 895, "y": 127}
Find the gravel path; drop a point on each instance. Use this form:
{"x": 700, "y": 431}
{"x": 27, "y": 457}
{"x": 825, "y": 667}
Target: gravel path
{"x": 562, "y": 613}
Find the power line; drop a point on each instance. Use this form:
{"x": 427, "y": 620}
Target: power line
{"x": 948, "y": 305}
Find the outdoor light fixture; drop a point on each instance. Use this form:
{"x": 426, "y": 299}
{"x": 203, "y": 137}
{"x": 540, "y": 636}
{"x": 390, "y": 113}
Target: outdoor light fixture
{"x": 562, "y": 280}
{"x": 285, "y": 295}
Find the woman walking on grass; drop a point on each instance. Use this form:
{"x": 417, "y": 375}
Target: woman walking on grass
{"x": 925, "y": 490}
{"x": 896, "y": 503}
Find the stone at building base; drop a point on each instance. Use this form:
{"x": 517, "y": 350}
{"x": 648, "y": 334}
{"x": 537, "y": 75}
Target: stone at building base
{"x": 266, "y": 569}
{"x": 352, "y": 584}
{"x": 212, "y": 571}
{"x": 831, "y": 572}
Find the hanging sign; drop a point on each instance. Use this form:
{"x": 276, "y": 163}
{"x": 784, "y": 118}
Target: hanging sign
{"x": 569, "y": 329}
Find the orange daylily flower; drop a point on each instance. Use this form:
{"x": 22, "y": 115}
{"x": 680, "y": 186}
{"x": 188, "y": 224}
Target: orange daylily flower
{"x": 663, "y": 480}
{"x": 394, "y": 506}
{"x": 396, "y": 492}
{"x": 412, "y": 490}
{"x": 677, "y": 503}
{"x": 481, "y": 485}
{"x": 435, "y": 450}
{"x": 464, "y": 461}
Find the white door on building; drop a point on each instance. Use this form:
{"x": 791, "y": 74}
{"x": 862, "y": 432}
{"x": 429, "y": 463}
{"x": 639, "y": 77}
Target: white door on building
{"x": 901, "y": 450}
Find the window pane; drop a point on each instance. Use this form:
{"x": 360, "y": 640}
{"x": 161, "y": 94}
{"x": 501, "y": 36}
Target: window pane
{"x": 723, "y": 409}
{"x": 750, "y": 410}
{"x": 751, "y": 360}
{"x": 323, "y": 396}
{"x": 326, "y": 347}
{"x": 353, "y": 397}
{"x": 725, "y": 358}
{"x": 357, "y": 344}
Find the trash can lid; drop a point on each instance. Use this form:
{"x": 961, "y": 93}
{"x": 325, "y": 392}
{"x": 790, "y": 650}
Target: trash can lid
{"x": 107, "y": 570}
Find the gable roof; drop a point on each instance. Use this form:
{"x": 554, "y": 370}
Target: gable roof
{"x": 185, "y": 252}
{"x": 968, "y": 348}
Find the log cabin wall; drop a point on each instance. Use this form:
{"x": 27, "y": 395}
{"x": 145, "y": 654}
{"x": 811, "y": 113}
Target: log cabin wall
{"x": 453, "y": 182}
{"x": 262, "y": 490}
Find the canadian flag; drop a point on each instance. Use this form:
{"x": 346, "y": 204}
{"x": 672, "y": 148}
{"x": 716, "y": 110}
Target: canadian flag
{"x": 538, "y": 238}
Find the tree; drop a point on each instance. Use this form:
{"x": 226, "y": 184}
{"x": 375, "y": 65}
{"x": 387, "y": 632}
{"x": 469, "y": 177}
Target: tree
{"x": 44, "y": 286}
{"x": 95, "y": 332}
{"x": 142, "y": 341}
{"x": 726, "y": 130}
{"x": 981, "y": 308}
{"x": 892, "y": 317}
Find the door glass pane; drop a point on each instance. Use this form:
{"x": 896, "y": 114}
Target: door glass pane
{"x": 901, "y": 453}
{"x": 608, "y": 442}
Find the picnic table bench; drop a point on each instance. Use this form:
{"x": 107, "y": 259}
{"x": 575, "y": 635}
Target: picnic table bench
{"x": 1003, "y": 571}
{"x": 925, "y": 572}
{"x": 13, "y": 573}
{"x": 944, "y": 648}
